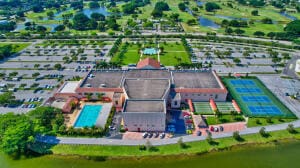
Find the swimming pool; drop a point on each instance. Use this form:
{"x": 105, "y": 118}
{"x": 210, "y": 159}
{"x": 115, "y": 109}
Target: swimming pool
{"x": 88, "y": 116}
{"x": 150, "y": 51}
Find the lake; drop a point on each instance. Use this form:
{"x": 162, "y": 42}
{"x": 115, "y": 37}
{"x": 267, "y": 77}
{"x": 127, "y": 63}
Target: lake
{"x": 102, "y": 10}
{"x": 272, "y": 155}
{"x": 288, "y": 16}
{"x": 208, "y": 23}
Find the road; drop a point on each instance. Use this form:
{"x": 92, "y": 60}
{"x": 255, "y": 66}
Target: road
{"x": 221, "y": 35}
{"x": 186, "y": 138}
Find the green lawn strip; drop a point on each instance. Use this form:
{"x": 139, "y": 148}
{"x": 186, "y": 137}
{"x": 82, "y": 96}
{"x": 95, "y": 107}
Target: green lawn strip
{"x": 263, "y": 121}
{"x": 174, "y": 149}
{"x": 212, "y": 120}
{"x": 16, "y": 46}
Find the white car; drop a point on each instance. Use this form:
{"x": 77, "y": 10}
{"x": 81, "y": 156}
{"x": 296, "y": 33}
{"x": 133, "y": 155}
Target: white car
{"x": 145, "y": 135}
{"x": 162, "y": 135}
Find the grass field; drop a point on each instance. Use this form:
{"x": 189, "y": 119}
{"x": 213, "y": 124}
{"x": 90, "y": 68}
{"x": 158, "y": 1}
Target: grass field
{"x": 212, "y": 120}
{"x": 174, "y": 149}
{"x": 252, "y": 122}
{"x": 245, "y": 106}
{"x": 173, "y": 54}
{"x": 16, "y": 46}
{"x": 238, "y": 11}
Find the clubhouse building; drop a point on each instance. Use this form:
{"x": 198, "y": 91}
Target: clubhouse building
{"x": 143, "y": 95}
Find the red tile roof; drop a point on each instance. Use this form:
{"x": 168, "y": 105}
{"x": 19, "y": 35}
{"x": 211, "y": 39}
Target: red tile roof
{"x": 148, "y": 62}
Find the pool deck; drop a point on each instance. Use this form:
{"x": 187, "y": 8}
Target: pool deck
{"x": 103, "y": 116}
{"x": 101, "y": 120}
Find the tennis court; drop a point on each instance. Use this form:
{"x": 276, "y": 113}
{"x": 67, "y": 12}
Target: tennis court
{"x": 248, "y": 90}
{"x": 202, "y": 108}
{"x": 263, "y": 99}
{"x": 225, "y": 107}
{"x": 242, "y": 82}
{"x": 270, "y": 110}
{"x": 255, "y": 100}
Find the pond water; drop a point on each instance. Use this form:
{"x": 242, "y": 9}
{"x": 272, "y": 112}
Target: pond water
{"x": 230, "y": 17}
{"x": 102, "y": 10}
{"x": 3, "y": 21}
{"x": 21, "y": 26}
{"x": 189, "y": 11}
{"x": 199, "y": 3}
{"x": 288, "y": 16}
{"x": 208, "y": 23}
{"x": 271, "y": 156}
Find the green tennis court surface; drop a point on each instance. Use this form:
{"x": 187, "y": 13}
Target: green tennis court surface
{"x": 202, "y": 108}
{"x": 255, "y": 100}
{"x": 225, "y": 107}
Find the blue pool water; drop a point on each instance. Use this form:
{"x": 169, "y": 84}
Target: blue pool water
{"x": 88, "y": 116}
{"x": 150, "y": 51}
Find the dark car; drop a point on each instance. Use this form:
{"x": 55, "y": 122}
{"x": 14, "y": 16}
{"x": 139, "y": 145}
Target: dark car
{"x": 221, "y": 128}
{"x": 199, "y": 133}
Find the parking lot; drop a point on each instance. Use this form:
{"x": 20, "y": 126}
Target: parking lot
{"x": 252, "y": 59}
{"x": 31, "y": 73}
{"x": 282, "y": 88}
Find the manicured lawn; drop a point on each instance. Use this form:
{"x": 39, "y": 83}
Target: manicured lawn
{"x": 263, "y": 121}
{"x": 174, "y": 53}
{"x": 192, "y": 147}
{"x": 239, "y": 11}
{"x": 16, "y": 46}
{"x": 223, "y": 119}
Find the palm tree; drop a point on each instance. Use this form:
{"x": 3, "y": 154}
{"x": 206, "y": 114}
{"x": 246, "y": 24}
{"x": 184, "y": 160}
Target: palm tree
{"x": 99, "y": 96}
{"x": 89, "y": 96}
{"x": 71, "y": 130}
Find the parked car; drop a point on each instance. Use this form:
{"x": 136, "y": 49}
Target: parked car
{"x": 162, "y": 135}
{"x": 216, "y": 129}
{"x": 199, "y": 133}
{"x": 221, "y": 128}
{"x": 156, "y": 134}
{"x": 145, "y": 134}
{"x": 150, "y": 134}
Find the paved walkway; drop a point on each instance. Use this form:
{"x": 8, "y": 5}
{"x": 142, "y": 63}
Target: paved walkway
{"x": 186, "y": 138}
{"x": 228, "y": 127}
